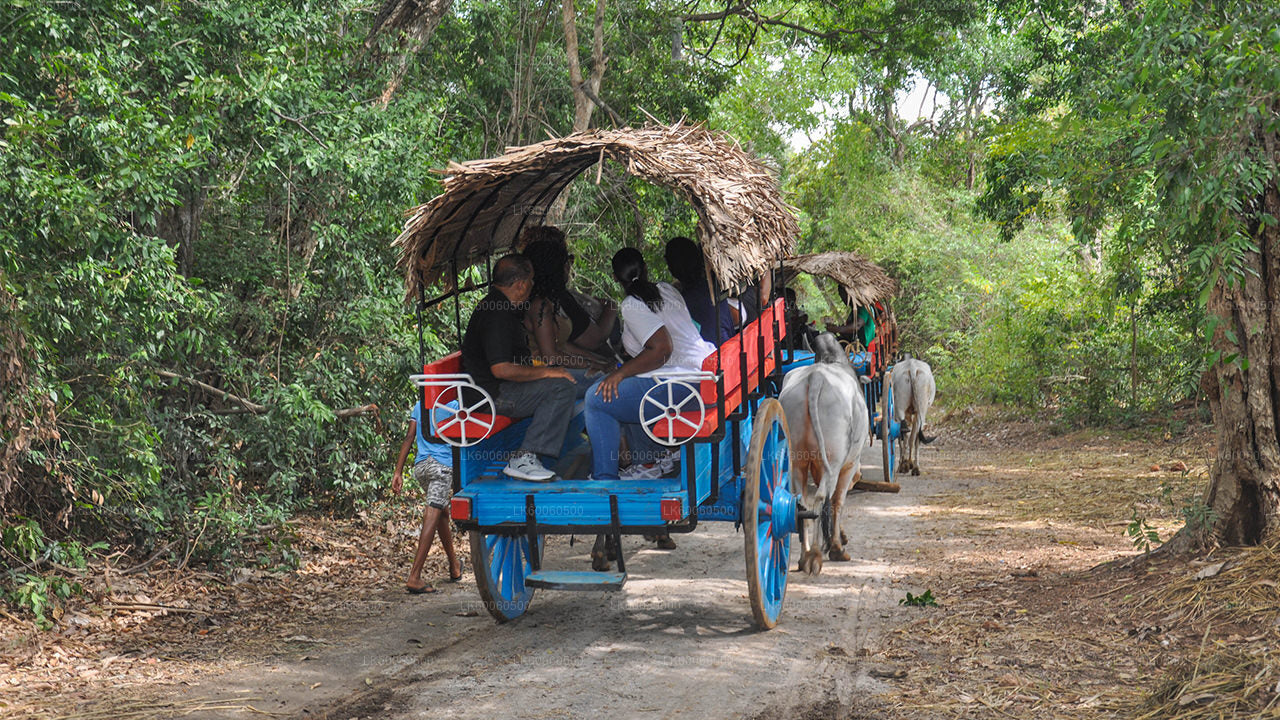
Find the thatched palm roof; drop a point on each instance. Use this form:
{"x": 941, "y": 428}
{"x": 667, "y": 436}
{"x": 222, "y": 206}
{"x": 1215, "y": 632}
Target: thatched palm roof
{"x": 864, "y": 280}
{"x": 743, "y": 223}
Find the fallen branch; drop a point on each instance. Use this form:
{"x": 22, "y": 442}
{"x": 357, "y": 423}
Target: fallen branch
{"x": 250, "y": 407}
{"x": 149, "y": 561}
{"x": 873, "y": 486}
{"x": 353, "y": 411}
{"x": 154, "y": 606}
{"x": 246, "y": 404}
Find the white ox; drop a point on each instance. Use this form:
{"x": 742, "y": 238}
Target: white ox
{"x": 827, "y": 419}
{"x": 913, "y": 392}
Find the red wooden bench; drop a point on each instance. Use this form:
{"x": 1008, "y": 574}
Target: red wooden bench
{"x": 444, "y": 378}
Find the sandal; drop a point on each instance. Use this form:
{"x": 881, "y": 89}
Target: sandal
{"x": 456, "y": 578}
{"x": 424, "y": 590}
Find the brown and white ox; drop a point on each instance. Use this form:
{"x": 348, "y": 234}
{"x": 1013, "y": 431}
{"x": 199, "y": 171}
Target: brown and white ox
{"x": 827, "y": 418}
{"x": 913, "y": 393}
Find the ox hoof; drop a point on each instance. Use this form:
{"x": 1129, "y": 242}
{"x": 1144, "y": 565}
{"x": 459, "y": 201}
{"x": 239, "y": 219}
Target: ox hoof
{"x": 915, "y": 470}
{"x": 839, "y": 555}
{"x": 599, "y": 562}
{"x": 811, "y": 562}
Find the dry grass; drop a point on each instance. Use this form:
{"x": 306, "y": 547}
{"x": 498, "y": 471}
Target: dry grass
{"x": 1033, "y": 625}
{"x": 132, "y": 639}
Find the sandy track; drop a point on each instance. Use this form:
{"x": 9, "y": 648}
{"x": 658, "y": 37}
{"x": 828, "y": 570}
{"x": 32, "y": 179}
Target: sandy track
{"x": 676, "y": 642}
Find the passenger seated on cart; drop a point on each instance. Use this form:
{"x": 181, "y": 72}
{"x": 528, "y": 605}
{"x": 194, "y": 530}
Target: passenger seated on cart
{"x": 684, "y": 260}
{"x": 660, "y": 336}
{"x": 496, "y": 355}
{"x": 798, "y": 321}
{"x": 585, "y": 323}
{"x": 860, "y": 327}
{"x": 554, "y": 318}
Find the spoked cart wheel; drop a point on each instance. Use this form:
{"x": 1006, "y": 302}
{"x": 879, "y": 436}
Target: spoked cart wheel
{"x": 768, "y": 513}
{"x": 501, "y": 563}
{"x": 886, "y": 424}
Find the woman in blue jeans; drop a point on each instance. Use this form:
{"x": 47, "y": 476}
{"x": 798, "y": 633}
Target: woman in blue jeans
{"x": 660, "y": 337}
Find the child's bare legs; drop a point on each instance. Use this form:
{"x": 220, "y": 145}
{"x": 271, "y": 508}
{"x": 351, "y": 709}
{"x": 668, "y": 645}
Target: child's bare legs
{"x": 433, "y": 520}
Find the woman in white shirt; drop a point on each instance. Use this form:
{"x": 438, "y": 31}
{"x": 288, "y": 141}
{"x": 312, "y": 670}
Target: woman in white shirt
{"x": 660, "y": 337}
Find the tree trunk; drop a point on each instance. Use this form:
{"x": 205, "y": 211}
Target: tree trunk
{"x": 583, "y": 88}
{"x": 417, "y": 20}
{"x": 583, "y": 107}
{"x": 1133, "y": 355}
{"x": 26, "y": 416}
{"x": 180, "y": 226}
{"x": 1244, "y": 394}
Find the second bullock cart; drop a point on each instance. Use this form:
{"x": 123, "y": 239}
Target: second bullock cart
{"x": 864, "y": 284}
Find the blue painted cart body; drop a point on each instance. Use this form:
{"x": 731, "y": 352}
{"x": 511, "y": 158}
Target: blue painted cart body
{"x": 734, "y": 467}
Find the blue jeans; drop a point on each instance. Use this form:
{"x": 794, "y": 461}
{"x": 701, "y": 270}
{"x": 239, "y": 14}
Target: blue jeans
{"x": 580, "y": 381}
{"x": 606, "y": 421}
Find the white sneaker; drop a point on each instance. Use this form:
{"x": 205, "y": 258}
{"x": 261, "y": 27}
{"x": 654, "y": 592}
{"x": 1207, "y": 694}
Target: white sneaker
{"x": 526, "y": 466}
{"x": 669, "y": 464}
{"x": 636, "y": 471}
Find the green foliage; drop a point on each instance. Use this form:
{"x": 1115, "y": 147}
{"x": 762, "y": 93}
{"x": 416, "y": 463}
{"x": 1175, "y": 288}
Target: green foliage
{"x": 1163, "y": 137}
{"x": 246, "y": 121}
{"x": 924, "y": 599}
{"x": 1032, "y": 320}
{"x": 26, "y": 585}
{"x": 1144, "y": 536}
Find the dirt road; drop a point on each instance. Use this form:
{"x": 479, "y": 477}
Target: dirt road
{"x": 677, "y": 641}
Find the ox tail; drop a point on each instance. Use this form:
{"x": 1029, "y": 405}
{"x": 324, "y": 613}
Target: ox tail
{"x": 827, "y": 483}
{"x": 925, "y": 438}
{"x": 826, "y": 524}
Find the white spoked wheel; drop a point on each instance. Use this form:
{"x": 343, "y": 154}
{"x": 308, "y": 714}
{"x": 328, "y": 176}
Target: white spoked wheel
{"x": 662, "y": 397}
{"x": 479, "y": 413}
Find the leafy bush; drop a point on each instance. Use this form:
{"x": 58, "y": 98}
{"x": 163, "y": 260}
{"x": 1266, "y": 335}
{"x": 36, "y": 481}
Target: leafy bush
{"x": 1034, "y": 320}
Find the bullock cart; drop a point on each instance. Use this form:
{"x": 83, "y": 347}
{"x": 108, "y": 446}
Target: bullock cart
{"x": 727, "y": 424}
{"x": 865, "y": 284}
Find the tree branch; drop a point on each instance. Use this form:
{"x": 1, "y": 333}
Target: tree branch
{"x": 246, "y": 404}
{"x": 282, "y": 116}
{"x": 250, "y": 407}
{"x": 745, "y": 11}
{"x": 617, "y": 119}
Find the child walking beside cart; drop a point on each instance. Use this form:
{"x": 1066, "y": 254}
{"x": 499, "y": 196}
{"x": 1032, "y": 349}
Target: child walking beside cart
{"x": 431, "y": 468}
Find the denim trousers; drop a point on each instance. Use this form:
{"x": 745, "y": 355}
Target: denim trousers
{"x": 607, "y": 421}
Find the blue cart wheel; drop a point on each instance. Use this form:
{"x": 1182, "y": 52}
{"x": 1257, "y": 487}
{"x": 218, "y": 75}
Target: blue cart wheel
{"x": 501, "y": 564}
{"x": 768, "y": 513}
{"x": 886, "y": 425}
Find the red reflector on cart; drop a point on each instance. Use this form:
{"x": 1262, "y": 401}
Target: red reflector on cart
{"x": 671, "y": 509}
{"x": 460, "y": 508}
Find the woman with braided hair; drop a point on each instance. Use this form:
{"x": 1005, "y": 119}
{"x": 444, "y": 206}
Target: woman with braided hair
{"x": 659, "y": 335}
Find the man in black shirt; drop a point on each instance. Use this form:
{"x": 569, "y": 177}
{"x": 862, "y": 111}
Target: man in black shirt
{"x": 496, "y": 354}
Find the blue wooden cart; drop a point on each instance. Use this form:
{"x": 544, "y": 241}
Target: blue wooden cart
{"x": 728, "y": 425}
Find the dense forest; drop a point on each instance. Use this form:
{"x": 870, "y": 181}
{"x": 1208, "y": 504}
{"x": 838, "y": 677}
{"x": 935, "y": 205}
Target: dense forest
{"x": 203, "y": 331}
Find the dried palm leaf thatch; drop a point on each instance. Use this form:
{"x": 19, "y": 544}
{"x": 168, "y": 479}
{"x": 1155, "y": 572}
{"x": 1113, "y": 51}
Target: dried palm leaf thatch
{"x": 743, "y": 223}
{"x": 865, "y": 281}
